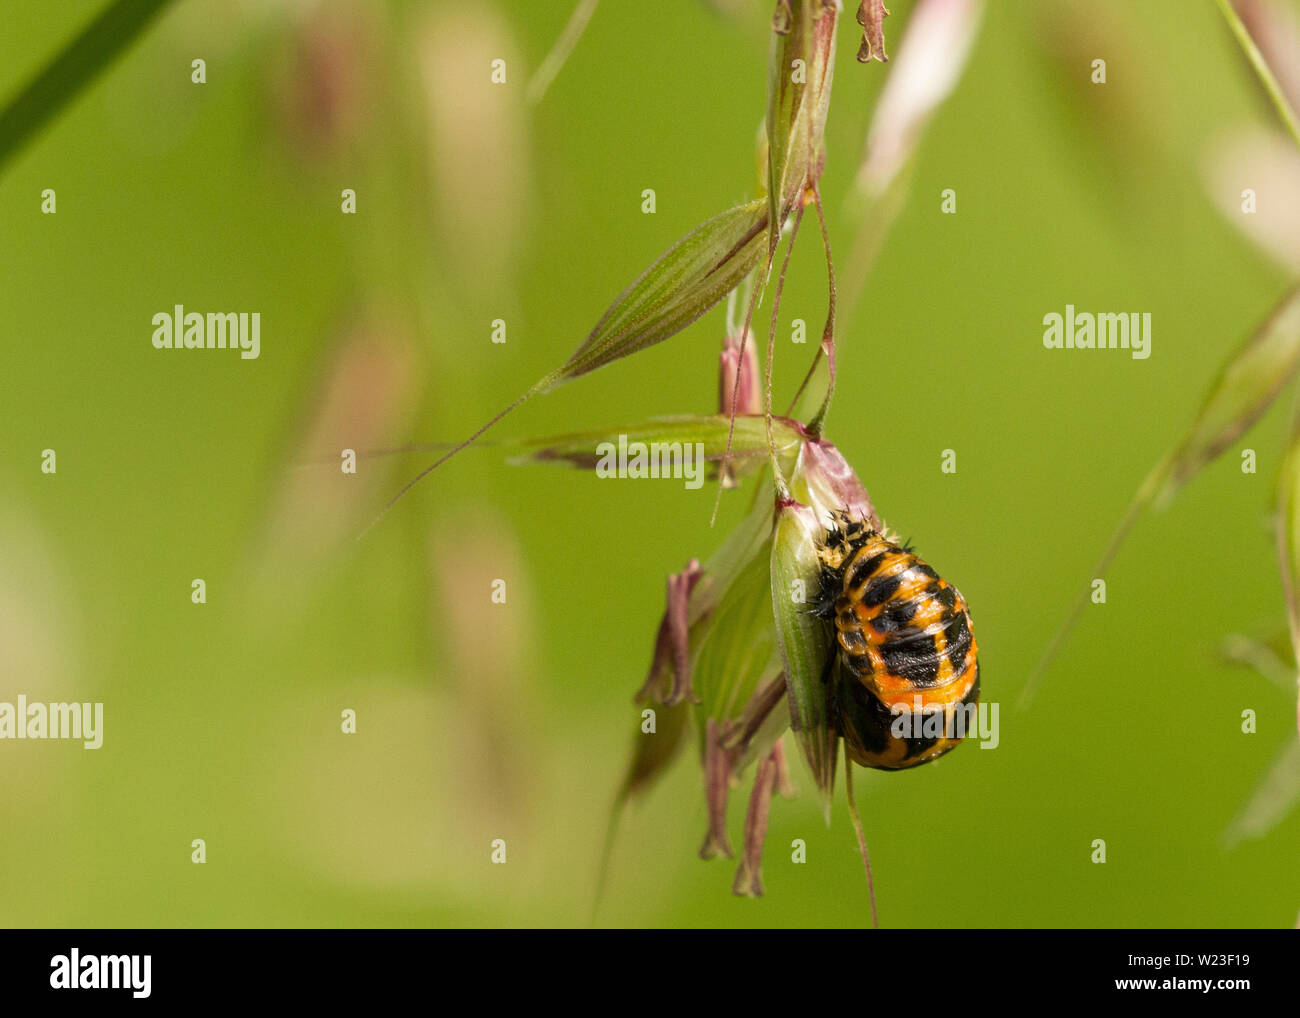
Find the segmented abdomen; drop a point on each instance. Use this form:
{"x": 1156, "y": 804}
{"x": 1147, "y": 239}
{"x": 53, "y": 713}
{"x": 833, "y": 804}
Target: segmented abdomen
{"x": 903, "y": 630}
{"x": 877, "y": 737}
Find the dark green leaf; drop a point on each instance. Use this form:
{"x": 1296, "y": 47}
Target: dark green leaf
{"x": 75, "y": 67}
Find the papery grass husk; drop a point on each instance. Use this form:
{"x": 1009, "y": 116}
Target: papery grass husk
{"x": 761, "y": 725}
{"x": 749, "y": 875}
{"x": 871, "y": 16}
{"x": 682, "y": 284}
{"x": 805, "y": 642}
{"x": 735, "y": 650}
{"x": 750, "y": 450}
{"x": 677, "y": 654}
{"x": 797, "y": 104}
{"x": 669, "y": 681}
{"x": 717, "y": 786}
{"x": 752, "y": 662}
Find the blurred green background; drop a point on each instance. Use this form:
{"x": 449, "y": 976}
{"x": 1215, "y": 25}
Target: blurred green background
{"x": 479, "y": 721}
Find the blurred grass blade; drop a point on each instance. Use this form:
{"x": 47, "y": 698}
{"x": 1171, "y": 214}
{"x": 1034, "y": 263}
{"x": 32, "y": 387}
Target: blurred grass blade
{"x": 651, "y": 755}
{"x": 564, "y": 45}
{"x": 805, "y": 642}
{"x": 74, "y": 68}
{"x": 1288, "y": 535}
{"x": 1262, "y": 656}
{"x": 1275, "y": 796}
{"x": 1244, "y": 390}
{"x": 1271, "y": 162}
{"x": 930, "y": 61}
{"x": 584, "y": 449}
{"x": 1277, "y": 95}
{"x": 683, "y": 283}
{"x": 1246, "y": 387}
{"x": 1135, "y": 509}
{"x": 1274, "y": 27}
{"x": 654, "y": 752}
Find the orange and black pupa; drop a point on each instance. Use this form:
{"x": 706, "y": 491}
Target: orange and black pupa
{"x": 903, "y": 666}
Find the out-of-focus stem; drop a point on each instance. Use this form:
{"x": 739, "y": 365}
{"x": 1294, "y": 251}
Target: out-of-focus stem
{"x": 67, "y": 75}
{"x": 756, "y": 295}
{"x": 877, "y": 219}
{"x": 828, "y": 333}
{"x": 815, "y": 425}
{"x": 867, "y": 242}
{"x": 1285, "y": 510}
{"x": 1262, "y": 70}
{"x": 1135, "y": 509}
{"x": 781, "y": 487}
{"x": 862, "y": 838}
{"x": 564, "y": 45}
